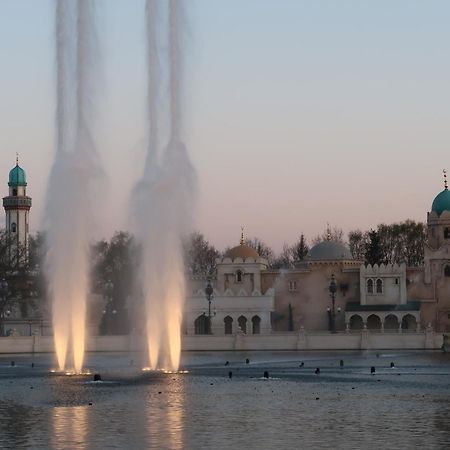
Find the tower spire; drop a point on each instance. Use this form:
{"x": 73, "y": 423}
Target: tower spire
{"x": 328, "y": 232}
{"x": 17, "y": 158}
{"x": 445, "y": 179}
{"x": 242, "y": 236}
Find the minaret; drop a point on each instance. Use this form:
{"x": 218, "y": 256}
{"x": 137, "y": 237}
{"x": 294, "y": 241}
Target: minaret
{"x": 17, "y": 208}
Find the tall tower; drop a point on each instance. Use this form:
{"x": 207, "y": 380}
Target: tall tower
{"x": 17, "y": 208}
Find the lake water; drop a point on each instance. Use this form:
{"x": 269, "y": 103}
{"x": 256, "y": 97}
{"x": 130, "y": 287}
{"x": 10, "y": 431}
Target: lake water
{"x": 404, "y": 407}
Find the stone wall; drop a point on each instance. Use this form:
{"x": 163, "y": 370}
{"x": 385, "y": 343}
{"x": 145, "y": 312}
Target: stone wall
{"x": 277, "y": 341}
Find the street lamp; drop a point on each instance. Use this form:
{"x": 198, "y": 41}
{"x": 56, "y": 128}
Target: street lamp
{"x": 209, "y": 292}
{"x": 108, "y": 294}
{"x": 332, "y": 288}
{"x": 3, "y": 292}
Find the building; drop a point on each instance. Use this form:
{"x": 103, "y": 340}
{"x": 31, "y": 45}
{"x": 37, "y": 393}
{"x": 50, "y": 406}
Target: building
{"x": 385, "y": 298}
{"x": 17, "y": 208}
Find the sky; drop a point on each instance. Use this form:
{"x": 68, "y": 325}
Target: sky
{"x": 297, "y": 113}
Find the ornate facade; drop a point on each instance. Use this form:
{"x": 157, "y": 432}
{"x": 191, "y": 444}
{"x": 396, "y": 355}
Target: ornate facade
{"x": 386, "y": 298}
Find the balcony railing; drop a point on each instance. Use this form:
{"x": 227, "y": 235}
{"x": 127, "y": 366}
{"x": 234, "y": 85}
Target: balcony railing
{"x": 17, "y": 202}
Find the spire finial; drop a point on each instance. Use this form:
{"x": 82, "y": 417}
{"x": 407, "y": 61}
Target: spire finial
{"x": 445, "y": 179}
{"x": 17, "y": 158}
{"x": 242, "y": 236}
{"x": 328, "y": 232}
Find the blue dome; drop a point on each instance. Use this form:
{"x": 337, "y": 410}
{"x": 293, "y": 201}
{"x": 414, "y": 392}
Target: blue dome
{"x": 442, "y": 202}
{"x": 17, "y": 177}
{"x": 329, "y": 251}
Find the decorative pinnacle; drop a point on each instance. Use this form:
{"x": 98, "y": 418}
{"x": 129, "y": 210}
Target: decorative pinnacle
{"x": 242, "y": 236}
{"x": 445, "y": 179}
{"x": 17, "y": 158}
{"x": 328, "y": 232}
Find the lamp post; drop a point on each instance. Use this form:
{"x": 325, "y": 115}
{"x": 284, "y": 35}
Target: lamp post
{"x": 3, "y": 292}
{"x": 109, "y": 286}
{"x": 209, "y": 291}
{"x": 332, "y": 288}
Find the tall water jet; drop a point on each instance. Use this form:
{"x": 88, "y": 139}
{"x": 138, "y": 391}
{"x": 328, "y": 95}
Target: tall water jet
{"x": 163, "y": 198}
{"x": 70, "y": 187}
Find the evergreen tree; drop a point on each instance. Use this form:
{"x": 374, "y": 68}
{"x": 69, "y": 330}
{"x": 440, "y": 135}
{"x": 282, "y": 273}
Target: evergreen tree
{"x": 374, "y": 252}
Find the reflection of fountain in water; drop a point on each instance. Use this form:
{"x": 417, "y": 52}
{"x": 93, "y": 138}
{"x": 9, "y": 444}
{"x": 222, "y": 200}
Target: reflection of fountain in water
{"x": 68, "y": 213}
{"x": 162, "y": 200}
{"x": 166, "y": 419}
{"x": 70, "y": 426}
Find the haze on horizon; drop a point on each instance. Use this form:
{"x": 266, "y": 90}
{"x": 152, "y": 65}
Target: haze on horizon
{"x": 299, "y": 112}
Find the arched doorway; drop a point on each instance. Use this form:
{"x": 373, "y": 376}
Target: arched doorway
{"x": 242, "y": 322}
{"x": 201, "y": 324}
{"x": 256, "y": 324}
{"x": 373, "y": 322}
{"x": 409, "y": 323}
{"x": 356, "y": 322}
{"x": 391, "y": 322}
{"x": 228, "y": 321}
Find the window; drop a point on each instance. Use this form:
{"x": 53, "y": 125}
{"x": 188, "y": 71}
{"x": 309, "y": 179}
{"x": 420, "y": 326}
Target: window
{"x": 13, "y": 227}
{"x": 397, "y": 281}
{"x": 256, "y": 325}
{"x": 242, "y": 322}
{"x": 370, "y": 286}
{"x": 379, "y": 286}
{"x": 447, "y": 271}
{"x": 15, "y": 192}
{"x": 228, "y": 321}
{"x": 292, "y": 285}
{"x": 446, "y": 233}
{"x": 239, "y": 276}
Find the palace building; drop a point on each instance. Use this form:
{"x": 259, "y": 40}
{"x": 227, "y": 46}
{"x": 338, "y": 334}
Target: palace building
{"x": 329, "y": 290}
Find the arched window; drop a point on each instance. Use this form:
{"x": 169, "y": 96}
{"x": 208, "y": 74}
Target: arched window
{"x": 239, "y": 276}
{"x": 370, "y": 286}
{"x": 256, "y": 324}
{"x": 242, "y": 322}
{"x": 228, "y": 321}
{"x": 447, "y": 233}
{"x": 15, "y": 192}
{"x": 447, "y": 271}
{"x": 202, "y": 324}
{"x": 379, "y": 286}
{"x": 13, "y": 227}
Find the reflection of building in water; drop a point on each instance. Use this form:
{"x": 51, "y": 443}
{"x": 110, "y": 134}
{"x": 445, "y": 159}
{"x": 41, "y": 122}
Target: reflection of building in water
{"x": 250, "y": 298}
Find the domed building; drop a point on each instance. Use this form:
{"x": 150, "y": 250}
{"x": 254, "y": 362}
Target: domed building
{"x": 240, "y": 304}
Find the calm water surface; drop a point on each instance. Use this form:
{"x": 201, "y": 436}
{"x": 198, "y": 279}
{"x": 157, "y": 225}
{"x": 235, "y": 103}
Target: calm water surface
{"x": 344, "y": 408}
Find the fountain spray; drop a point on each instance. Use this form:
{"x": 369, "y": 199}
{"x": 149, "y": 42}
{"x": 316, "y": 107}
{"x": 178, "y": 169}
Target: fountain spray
{"x": 163, "y": 198}
{"x": 74, "y": 172}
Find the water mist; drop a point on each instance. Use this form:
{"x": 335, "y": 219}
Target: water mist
{"x": 72, "y": 177}
{"x": 163, "y": 199}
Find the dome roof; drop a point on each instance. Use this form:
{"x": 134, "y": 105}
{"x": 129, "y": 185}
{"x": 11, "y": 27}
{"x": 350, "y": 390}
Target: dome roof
{"x": 442, "y": 202}
{"x": 242, "y": 251}
{"x": 329, "y": 251}
{"x": 17, "y": 177}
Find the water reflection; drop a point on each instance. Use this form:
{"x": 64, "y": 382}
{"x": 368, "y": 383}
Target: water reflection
{"x": 16, "y": 425}
{"x": 70, "y": 425}
{"x": 165, "y": 412}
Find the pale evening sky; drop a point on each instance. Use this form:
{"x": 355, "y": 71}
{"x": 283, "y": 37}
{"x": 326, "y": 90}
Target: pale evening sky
{"x": 298, "y": 113}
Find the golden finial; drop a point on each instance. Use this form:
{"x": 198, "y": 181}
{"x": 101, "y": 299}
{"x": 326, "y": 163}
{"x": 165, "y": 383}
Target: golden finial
{"x": 242, "y": 236}
{"x": 328, "y": 232}
{"x": 445, "y": 179}
{"x": 17, "y": 158}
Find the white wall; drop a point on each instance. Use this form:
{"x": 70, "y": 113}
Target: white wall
{"x": 278, "y": 341}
